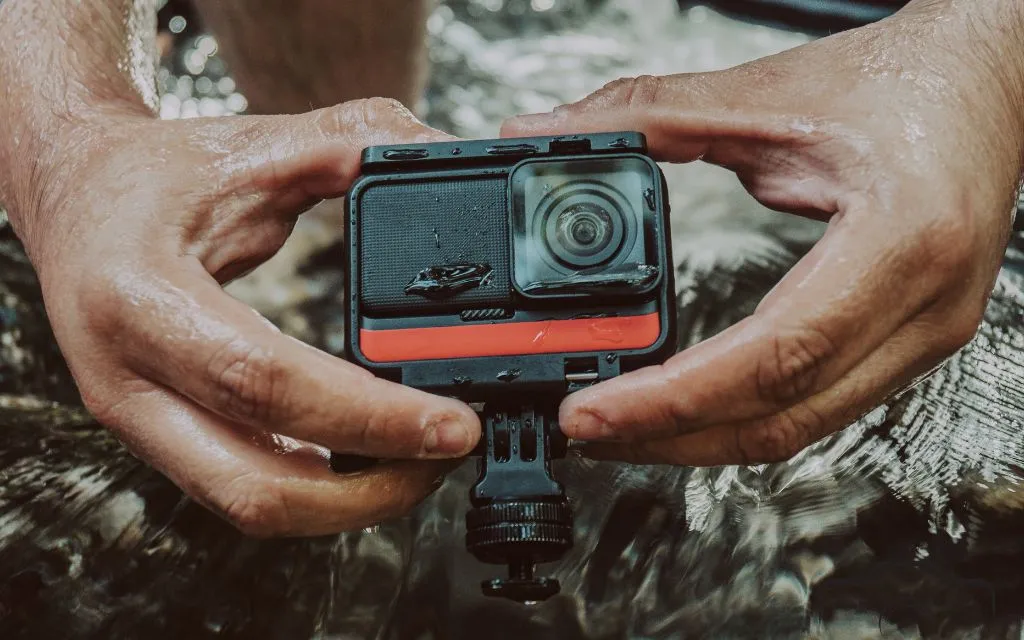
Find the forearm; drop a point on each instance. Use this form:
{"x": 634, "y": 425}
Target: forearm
{"x": 65, "y": 65}
{"x": 987, "y": 35}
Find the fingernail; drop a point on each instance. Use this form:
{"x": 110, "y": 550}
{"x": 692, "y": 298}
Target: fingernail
{"x": 447, "y": 437}
{"x": 587, "y": 424}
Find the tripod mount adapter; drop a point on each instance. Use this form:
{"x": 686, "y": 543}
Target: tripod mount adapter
{"x": 520, "y": 515}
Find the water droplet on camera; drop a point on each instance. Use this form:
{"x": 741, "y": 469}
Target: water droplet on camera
{"x": 606, "y": 332}
{"x": 649, "y": 198}
{"x": 508, "y": 375}
{"x": 444, "y": 281}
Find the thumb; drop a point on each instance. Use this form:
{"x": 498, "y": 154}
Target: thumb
{"x": 682, "y": 116}
{"x": 317, "y": 155}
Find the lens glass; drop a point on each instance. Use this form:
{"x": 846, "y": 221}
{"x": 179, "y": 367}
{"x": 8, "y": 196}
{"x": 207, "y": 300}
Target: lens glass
{"x": 582, "y": 220}
{"x": 583, "y": 224}
{"x": 580, "y": 232}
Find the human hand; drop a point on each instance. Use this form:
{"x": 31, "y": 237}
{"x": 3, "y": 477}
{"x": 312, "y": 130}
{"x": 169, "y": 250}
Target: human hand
{"x": 134, "y": 231}
{"x": 907, "y": 137}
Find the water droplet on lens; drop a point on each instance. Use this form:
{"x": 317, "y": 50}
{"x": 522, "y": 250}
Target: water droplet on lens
{"x": 649, "y": 198}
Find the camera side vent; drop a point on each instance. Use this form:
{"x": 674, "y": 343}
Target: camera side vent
{"x": 477, "y": 315}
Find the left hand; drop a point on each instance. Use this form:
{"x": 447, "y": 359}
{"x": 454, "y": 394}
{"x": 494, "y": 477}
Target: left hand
{"x": 907, "y": 136}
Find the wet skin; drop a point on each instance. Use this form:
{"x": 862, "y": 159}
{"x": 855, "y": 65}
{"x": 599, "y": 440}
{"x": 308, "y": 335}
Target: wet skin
{"x": 906, "y": 135}
{"x": 133, "y": 225}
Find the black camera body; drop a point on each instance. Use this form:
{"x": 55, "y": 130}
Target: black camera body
{"x": 480, "y": 269}
{"x": 510, "y": 273}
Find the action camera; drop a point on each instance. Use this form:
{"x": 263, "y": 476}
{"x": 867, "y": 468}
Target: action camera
{"x": 510, "y": 273}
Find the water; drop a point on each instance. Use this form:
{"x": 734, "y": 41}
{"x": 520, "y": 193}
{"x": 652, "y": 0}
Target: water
{"x": 627, "y": 278}
{"x": 440, "y": 282}
{"x": 907, "y": 524}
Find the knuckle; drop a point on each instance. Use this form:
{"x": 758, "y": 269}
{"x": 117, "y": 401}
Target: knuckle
{"x": 790, "y": 365}
{"x": 255, "y": 507}
{"x": 629, "y": 93}
{"x": 678, "y": 409}
{"x": 381, "y": 428}
{"x": 781, "y": 437}
{"x": 247, "y": 381}
{"x": 682, "y": 413}
{"x": 366, "y": 113}
{"x": 386, "y": 107}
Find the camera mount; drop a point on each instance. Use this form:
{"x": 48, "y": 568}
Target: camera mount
{"x": 520, "y": 515}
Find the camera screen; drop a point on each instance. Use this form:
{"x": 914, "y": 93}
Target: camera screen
{"x": 584, "y": 227}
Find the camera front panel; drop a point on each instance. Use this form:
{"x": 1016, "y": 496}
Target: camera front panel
{"x": 510, "y": 273}
{"x": 411, "y": 225}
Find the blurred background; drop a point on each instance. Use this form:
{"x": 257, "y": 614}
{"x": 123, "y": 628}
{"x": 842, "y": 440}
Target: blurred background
{"x": 908, "y": 524}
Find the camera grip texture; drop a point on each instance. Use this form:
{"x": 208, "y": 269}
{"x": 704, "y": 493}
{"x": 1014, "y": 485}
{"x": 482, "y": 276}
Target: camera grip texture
{"x": 407, "y": 227}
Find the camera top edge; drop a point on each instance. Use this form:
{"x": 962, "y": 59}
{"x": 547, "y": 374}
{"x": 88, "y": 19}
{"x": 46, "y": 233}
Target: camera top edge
{"x": 498, "y": 151}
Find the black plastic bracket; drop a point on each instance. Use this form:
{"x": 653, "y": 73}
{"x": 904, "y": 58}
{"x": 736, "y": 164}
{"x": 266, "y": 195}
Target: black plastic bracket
{"x": 519, "y": 450}
{"x": 520, "y": 515}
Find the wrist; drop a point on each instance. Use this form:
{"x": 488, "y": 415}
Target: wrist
{"x": 56, "y": 102}
{"x": 979, "y": 46}
{"x": 44, "y": 164}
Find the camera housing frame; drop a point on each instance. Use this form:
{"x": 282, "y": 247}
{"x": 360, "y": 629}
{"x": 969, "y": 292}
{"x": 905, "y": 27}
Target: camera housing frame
{"x": 645, "y": 334}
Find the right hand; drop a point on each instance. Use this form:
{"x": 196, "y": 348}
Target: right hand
{"x": 133, "y": 233}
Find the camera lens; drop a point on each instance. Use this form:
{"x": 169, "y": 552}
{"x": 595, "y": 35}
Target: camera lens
{"x": 583, "y": 224}
{"x": 583, "y": 229}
